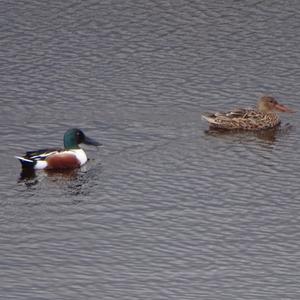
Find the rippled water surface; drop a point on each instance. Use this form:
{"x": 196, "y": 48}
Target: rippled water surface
{"x": 165, "y": 209}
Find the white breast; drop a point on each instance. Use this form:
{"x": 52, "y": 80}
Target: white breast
{"x": 80, "y": 155}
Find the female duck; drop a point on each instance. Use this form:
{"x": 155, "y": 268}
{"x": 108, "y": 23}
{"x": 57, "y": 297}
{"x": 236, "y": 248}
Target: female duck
{"x": 263, "y": 117}
{"x": 71, "y": 157}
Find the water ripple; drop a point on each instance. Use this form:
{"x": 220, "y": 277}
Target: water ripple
{"x": 165, "y": 209}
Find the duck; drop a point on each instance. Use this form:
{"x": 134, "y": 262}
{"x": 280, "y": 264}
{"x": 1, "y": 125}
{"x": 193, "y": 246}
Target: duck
{"x": 70, "y": 157}
{"x": 264, "y": 116}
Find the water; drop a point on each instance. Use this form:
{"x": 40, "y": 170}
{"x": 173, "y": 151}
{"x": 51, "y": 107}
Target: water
{"x": 165, "y": 209}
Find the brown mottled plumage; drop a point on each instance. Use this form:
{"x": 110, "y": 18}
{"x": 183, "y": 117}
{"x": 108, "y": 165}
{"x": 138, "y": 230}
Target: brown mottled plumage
{"x": 263, "y": 117}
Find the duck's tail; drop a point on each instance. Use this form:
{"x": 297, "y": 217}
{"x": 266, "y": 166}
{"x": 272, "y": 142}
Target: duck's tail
{"x": 210, "y": 118}
{"x": 26, "y": 163}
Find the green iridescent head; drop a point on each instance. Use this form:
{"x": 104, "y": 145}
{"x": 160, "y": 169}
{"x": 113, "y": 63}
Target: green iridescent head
{"x": 74, "y": 136}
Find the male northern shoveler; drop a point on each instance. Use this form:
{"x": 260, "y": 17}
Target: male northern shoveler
{"x": 71, "y": 157}
{"x": 263, "y": 117}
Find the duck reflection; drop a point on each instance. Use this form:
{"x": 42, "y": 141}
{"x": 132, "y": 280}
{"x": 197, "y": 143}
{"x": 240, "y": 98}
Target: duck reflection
{"x": 267, "y": 135}
{"x": 70, "y": 181}
{"x": 29, "y": 174}
{"x": 28, "y": 177}
{"x": 67, "y": 175}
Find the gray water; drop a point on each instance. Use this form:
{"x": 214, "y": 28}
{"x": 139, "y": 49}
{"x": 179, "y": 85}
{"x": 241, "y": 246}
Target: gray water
{"x": 165, "y": 209}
